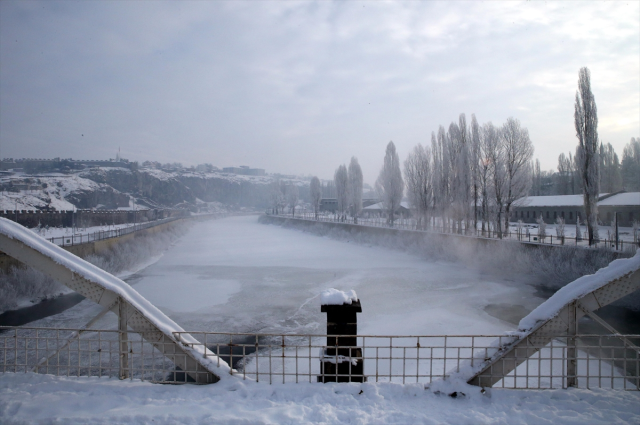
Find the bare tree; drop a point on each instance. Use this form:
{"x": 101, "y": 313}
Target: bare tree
{"x": 315, "y": 190}
{"x": 586, "y": 122}
{"x": 355, "y": 188}
{"x": 488, "y": 143}
{"x": 518, "y": 151}
{"x": 563, "y": 180}
{"x": 631, "y": 165}
{"x": 444, "y": 172}
{"x": 275, "y": 196}
{"x": 389, "y": 184}
{"x": 498, "y": 174}
{"x": 610, "y": 176}
{"x": 341, "y": 181}
{"x": 418, "y": 175}
{"x": 475, "y": 167}
{"x": 293, "y": 193}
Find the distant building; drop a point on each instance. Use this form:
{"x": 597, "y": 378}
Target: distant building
{"x": 244, "y": 170}
{"x": 569, "y": 207}
{"x": 35, "y": 165}
{"x": 329, "y": 204}
{"x": 377, "y": 210}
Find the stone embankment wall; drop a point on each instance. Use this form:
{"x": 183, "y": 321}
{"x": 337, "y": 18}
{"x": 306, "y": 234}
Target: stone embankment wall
{"x": 87, "y": 218}
{"x": 560, "y": 263}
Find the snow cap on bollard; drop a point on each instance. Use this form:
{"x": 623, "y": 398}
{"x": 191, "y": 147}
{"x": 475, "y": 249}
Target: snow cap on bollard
{"x": 335, "y": 297}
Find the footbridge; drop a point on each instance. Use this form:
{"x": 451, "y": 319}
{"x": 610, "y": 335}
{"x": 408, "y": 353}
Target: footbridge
{"x": 114, "y": 295}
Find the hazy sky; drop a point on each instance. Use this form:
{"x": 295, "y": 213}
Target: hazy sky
{"x": 300, "y": 87}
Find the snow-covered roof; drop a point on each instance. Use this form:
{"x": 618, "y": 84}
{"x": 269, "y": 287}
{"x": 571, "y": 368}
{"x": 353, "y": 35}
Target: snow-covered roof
{"x": 622, "y": 199}
{"x": 550, "y": 201}
{"x": 380, "y": 206}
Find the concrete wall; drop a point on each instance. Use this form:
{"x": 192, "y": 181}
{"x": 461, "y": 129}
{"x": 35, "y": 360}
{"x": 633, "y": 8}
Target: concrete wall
{"x": 449, "y": 245}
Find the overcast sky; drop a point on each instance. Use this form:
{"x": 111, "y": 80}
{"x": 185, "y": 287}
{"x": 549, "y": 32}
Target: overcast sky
{"x": 300, "y": 87}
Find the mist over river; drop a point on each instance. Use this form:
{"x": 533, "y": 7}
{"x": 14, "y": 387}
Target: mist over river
{"x": 236, "y": 275}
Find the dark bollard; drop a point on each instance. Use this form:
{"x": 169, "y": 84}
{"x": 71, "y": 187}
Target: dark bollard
{"x": 341, "y": 360}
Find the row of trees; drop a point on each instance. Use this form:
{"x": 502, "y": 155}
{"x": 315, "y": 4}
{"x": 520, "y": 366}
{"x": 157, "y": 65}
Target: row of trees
{"x": 470, "y": 173}
{"x": 614, "y": 175}
{"x": 348, "y": 186}
{"x": 283, "y": 193}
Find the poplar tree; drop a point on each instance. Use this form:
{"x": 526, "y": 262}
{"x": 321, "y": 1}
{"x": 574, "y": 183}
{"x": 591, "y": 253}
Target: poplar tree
{"x": 586, "y": 122}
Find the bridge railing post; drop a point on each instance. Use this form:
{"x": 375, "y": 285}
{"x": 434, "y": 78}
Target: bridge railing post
{"x": 124, "y": 339}
{"x": 572, "y": 366}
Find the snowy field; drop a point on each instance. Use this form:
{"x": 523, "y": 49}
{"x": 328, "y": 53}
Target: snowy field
{"x": 235, "y": 275}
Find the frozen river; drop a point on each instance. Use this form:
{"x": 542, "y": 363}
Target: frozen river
{"x": 238, "y": 275}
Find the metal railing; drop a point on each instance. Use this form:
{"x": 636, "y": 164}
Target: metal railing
{"x": 603, "y": 361}
{"x": 521, "y": 236}
{"x": 79, "y": 239}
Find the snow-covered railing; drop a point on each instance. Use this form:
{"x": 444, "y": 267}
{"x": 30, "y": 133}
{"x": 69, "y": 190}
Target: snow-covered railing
{"x": 80, "y": 238}
{"x": 510, "y": 234}
{"x": 603, "y": 361}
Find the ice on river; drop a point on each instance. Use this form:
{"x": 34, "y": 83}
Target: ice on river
{"x": 236, "y": 275}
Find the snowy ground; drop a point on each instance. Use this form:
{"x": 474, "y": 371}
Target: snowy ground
{"x": 101, "y": 401}
{"x": 237, "y": 275}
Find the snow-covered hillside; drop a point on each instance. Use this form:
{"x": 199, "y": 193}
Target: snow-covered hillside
{"x": 58, "y": 192}
{"x": 112, "y": 188}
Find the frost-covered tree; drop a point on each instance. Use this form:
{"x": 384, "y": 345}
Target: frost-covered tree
{"x": 518, "y": 151}
{"x": 578, "y": 229}
{"x": 355, "y": 188}
{"x": 315, "y": 191}
{"x": 563, "y": 178}
{"x": 542, "y": 228}
{"x": 475, "y": 167}
{"x": 631, "y": 165}
{"x": 418, "y": 176}
{"x": 275, "y": 196}
{"x": 460, "y": 169}
{"x": 436, "y": 154}
{"x": 536, "y": 185}
{"x": 488, "y": 141}
{"x": 586, "y": 123}
{"x": 560, "y": 229}
{"x": 389, "y": 184}
{"x": 498, "y": 174}
{"x": 341, "y": 181}
{"x": 610, "y": 176}
{"x": 293, "y": 194}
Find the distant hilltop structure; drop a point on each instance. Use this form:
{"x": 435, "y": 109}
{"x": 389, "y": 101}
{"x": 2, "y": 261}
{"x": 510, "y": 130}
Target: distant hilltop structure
{"x": 244, "y": 170}
{"x": 31, "y": 165}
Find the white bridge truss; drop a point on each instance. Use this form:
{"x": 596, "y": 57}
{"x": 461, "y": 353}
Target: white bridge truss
{"x": 563, "y": 323}
{"x": 114, "y": 295}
